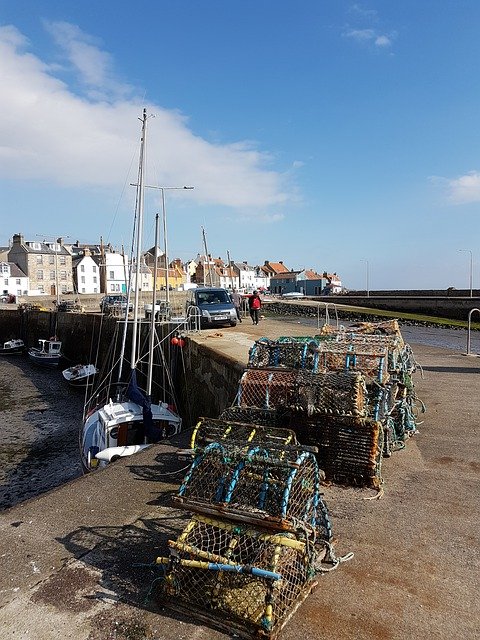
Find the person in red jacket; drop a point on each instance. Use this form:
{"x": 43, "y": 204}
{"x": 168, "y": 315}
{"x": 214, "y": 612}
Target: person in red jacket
{"x": 254, "y": 305}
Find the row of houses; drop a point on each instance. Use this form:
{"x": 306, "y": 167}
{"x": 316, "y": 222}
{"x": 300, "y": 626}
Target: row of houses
{"x": 55, "y": 268}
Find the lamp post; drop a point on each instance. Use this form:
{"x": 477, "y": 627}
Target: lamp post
{"x": 471, "y": 269}
{"x": 164, "y": 217}
{"x": 367, "y": 277}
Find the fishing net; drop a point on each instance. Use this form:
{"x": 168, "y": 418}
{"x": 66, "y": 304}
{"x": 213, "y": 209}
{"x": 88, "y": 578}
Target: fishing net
{"x": 246, "y": 580}
{"x": 284, "y": 353}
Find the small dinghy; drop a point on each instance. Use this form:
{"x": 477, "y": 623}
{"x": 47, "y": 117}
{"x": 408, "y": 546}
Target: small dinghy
{"x": 81, "y": 375}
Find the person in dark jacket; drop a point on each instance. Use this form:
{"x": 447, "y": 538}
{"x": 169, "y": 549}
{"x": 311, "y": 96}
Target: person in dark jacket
{"x": 254, "y": 306}
{"x": 237, "y": 301}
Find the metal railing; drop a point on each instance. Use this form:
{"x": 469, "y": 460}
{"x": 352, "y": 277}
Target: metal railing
{"x": 469, "y": 331}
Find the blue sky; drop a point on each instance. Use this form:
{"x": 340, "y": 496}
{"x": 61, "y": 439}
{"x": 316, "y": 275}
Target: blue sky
{"x": 331, "y": 135}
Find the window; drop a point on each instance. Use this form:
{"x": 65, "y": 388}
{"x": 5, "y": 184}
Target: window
{"x": 63, "y": 260}
{"x": 112, "y": 287}
{"x": 19, "y": 292}
{"x": 18, "y": 281}
{"x": 112, "y": 275}
{"x": 39, "y": 274}
{"x": 82, "y": 268}
{"x": 95, "y": 290}
{"x": 6, "y": 281}
{"x": 94, "y": 279}
{"x": 63, "y": 275}
{"x": 64, "y": 288}
{"x": 51, "y": 259}
{"x": 41, "y": 289}
{"x": 52, "y": 275}
{"x": 39, "y": 259}
{"x": 83, "y": 279}
{"x": 83, "y": 289}
{"x": 94, "y": 268}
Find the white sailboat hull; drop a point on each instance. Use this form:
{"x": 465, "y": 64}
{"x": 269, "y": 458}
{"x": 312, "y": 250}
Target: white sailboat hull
{"x": 116, "y": 430}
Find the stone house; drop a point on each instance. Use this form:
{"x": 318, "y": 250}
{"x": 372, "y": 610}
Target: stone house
{"x": 48, "y": 265}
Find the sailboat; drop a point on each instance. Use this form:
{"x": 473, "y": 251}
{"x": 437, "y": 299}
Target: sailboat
{"x": 126, "y": 421}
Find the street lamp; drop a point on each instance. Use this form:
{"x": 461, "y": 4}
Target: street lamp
{"x": 366, "y": 277}
{"x": 164, "y": 216}
{"x": 471, "y": 269}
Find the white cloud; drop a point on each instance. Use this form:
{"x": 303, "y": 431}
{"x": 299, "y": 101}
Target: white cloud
{"x": 383, "y": 41}
{"x": 462, "y": 190}
{"x": 51, "y": 134}
{"x": 360, "y": 35}
{"x": 93, "y": 66}
{"x": 369, "y": 36}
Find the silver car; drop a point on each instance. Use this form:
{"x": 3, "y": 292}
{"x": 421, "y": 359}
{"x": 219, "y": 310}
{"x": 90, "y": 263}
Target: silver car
{"x": 215, "y": 306}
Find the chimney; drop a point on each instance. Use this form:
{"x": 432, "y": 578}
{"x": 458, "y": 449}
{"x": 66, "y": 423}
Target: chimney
{"x": 18, "y": 238}
{"x": 280, "y": 262}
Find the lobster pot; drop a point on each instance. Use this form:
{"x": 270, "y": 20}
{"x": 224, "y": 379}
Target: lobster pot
{"x": 210, "y": 430}
{"x": 255, "y": 415}
{"x": 407, "y": 360}
{"x": 284, "y": 353}
{"x": 238, "y": 578}
{"x": 266, "y": 389}
{"x": 381, "y": 399}
{"x": 338, "y": 356}
{"x": 349, "y": 448}
{"x": 403, "y": 422}
{"x": 393, "y": 344}
{"x": 330, "y": 393}
{"x": 271, "y": 486}
{"x": 385, "y": 327}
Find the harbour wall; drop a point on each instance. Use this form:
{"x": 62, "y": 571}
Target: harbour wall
{"x": 453, "y": 308}
{"x": 205, "y": 381}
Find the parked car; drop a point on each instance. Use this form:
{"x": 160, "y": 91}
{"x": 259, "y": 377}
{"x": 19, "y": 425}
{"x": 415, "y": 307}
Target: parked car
{"x": 215, "y": 305}
{"x": 161, "y": 310}
{"x": 293, "y": 294}
{"x": 115, "y": 302}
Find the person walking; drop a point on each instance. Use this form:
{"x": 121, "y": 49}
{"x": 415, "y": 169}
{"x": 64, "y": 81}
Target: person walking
{"x": 237, "y": 301}
{"x": 254, "y": 305}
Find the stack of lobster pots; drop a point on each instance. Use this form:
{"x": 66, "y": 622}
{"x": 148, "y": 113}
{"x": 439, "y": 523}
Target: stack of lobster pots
{"x": 349, "y": 393}
{"x": 259, "y": 532}
{"x": 330, "y": 406}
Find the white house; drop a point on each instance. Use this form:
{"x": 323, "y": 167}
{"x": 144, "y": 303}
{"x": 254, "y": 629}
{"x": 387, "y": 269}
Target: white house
{"x": 248, "y": 277}
{"x": 13, "y": 281}
{"x": 86, "y": 274}
{"x": 115, "y": 269}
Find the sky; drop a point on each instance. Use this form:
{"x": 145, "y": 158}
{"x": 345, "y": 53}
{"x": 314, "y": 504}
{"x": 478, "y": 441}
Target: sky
{"x": 332, "y": 135}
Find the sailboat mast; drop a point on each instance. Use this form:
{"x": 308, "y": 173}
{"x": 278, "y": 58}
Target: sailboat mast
{"x": 139, "y": 234}
{"x": 151, "y": 344}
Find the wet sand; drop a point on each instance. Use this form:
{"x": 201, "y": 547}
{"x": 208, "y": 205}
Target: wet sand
{"x": 39, "y": 420}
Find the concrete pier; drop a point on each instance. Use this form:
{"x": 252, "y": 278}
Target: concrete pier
{"x": 69, "y": 559}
